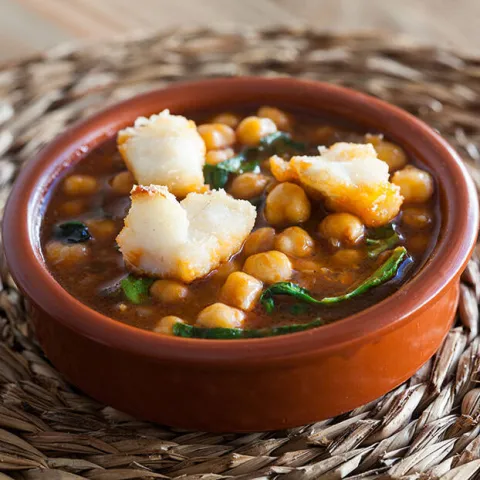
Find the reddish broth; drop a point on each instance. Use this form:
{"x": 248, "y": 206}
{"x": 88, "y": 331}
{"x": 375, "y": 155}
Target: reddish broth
{"x": 328, "y": 272}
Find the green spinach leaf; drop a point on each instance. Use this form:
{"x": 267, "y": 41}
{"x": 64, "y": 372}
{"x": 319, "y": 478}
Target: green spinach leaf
{"x": 249, "y": 159}
{"x": 384, "y": 238}
{"x": 215, "y": 176}
{"x": 281, "y": 143}
{"x": 385, "y": 272}
{"x": 136, "y": 288}
{"x": 190, "y": 331}
{"x": 72, "y": 232}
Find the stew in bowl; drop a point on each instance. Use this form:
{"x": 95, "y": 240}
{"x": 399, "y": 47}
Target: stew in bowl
{"x": 248, "y": 223}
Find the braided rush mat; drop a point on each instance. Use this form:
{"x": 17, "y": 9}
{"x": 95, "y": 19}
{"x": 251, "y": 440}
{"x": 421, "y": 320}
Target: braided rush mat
{"x": 426, "y": 428}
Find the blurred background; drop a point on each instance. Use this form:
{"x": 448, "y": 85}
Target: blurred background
{"x": 29, "y": 26}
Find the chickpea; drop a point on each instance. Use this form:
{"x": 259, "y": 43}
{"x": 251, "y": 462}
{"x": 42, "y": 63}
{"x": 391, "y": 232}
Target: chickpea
{"x": 216, "y": 135}
{"x": 216, "y": 156}
{"x": 220, "y": 315}
{"x": 166, "y": 324}
{"x": 341, "y": 229}
{"x": 347, "y": 257}
{"x": 416, "y": 185}
{"x": 241, "y": 291}
{"x": 72, "y": 208}
{"x": 102, "y": 229}
{"x": 287, "y": 204}
{"x": 66, "y": 254}
{"x": 280, "y": 118}
{"x": 417, "y": 217}
{"x": 122, "y": 183}
{"x": 252, "y": 129}
{"x": 269, "y": 267}
{"x": 388, "y": 152}
{"x": 168, "y": 291}
{"x": 295, "y": 241}
{"x": 227, "y": 118}
{"x": 248, "y": 185}
{"x": 260, "y": 240}
{"x": 77, "y": 185}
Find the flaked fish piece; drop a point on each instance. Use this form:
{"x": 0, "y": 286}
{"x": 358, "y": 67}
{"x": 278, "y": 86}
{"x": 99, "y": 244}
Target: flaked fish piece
{"x": 184, "y": 240}
{"x": 165, "y": 150}
{"x": 349, "y": 177}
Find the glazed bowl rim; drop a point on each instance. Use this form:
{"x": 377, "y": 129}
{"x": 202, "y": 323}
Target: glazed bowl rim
{"x": 451, "y": 254}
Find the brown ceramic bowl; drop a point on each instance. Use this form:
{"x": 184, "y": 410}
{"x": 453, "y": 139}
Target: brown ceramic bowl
{"x": 258, "y": 384}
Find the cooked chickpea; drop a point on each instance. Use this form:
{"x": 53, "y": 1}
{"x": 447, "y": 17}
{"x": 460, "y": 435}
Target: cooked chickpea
{"x": 168, "y": 291}
{"x": 72, "y": 208}
{"x": 216, "y": 156}
{"x": 216, "y": 135}
{"x": 241, "y": 291}
{"x": 269, "y": 267}
{"x": 280, "y": 118}
{"x": 66, "y": 254}
{"x": 417, "y": 217}
{"x": 248, "y": 185}
{"x": 227, "y": 118}
{"x": 347, "y": 257}
{"x": 341, "y": 229}
{"x": 220, "y": 315}
{"x": 295, "y": 241}
{"x": 260, "y": 240}
{"x": 287, "y": 204}
{"x": 76, "y": 185}
{"x": 102, "y": 229}
{"x": 166, "y": 324}
{"x": 122, "y": 183}
{"x": 416, "y": 185}
{"x": 252, "y": 129}
{"x": 388, "y": 152}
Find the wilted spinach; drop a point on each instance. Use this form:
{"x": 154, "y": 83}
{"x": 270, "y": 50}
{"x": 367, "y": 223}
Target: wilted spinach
{"x": 73, "y": 231}
{"x": 136, "y": 288}
{"x": 383, "y": 273}
{"x": 249, "y": 159}
{"x": 190, "y": 331}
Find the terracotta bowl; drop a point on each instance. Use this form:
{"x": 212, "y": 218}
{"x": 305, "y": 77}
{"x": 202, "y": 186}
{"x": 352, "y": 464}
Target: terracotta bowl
{"x": 258, "y": 384}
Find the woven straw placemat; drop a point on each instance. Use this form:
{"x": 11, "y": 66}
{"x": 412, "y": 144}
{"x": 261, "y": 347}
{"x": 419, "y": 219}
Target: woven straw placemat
{"x": 427, "y": 428}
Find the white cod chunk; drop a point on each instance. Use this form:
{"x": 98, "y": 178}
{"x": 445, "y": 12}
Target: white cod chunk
{"x": 183, "y": 240}
{"x": 351, "y": 179}
{"x": 164, "y": 150}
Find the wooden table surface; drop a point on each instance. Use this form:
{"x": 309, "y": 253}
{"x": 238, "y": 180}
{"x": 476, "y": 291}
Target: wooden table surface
{"x": 27, "y": 26}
